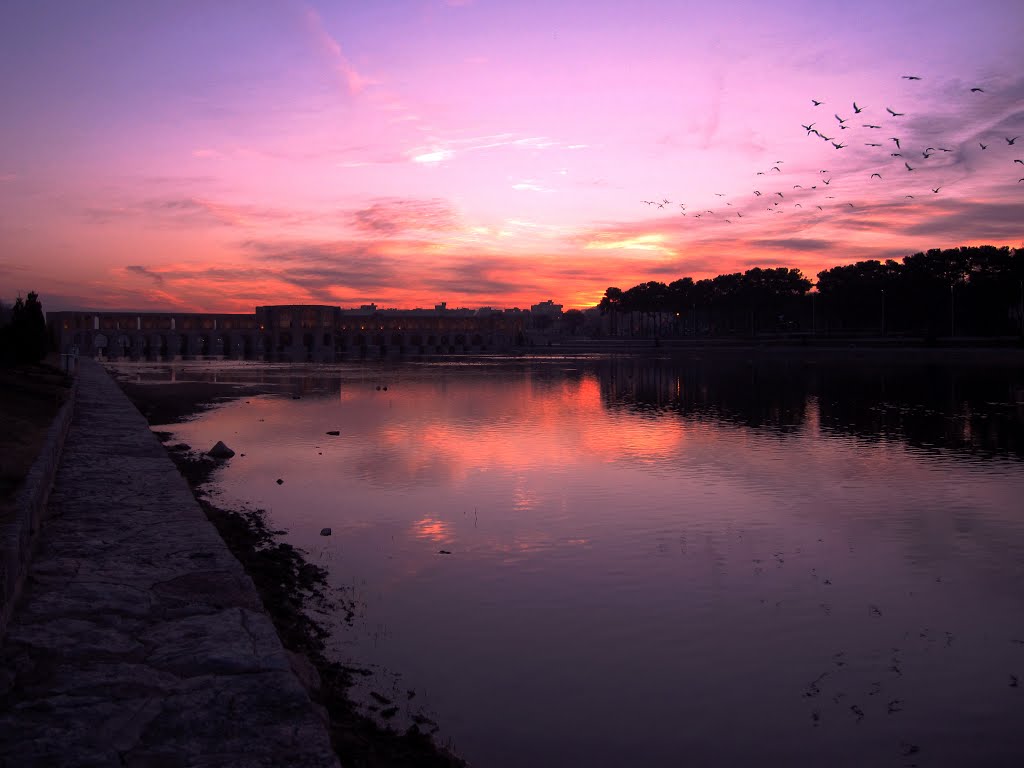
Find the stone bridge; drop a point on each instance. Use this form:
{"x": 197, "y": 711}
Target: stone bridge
{"x": 288, "y": 333}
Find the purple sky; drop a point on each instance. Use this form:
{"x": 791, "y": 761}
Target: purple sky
{"x": 216, "y": 156}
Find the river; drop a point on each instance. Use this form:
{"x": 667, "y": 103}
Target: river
{"x": 658, "y": 561}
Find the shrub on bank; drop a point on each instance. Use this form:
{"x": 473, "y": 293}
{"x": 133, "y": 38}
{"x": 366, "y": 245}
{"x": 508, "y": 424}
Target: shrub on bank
{"x": 23, "y": 337}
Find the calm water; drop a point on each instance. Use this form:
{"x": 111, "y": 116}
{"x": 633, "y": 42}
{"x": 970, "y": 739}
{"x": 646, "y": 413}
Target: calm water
{"x": 658, "y": 562}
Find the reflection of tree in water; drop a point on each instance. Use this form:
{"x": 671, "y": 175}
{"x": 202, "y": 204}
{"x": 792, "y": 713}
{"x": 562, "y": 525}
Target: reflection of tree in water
{"x": 974, "y": 409}
{"x": 735, "y": 391}
{"x": 965, "y": 408}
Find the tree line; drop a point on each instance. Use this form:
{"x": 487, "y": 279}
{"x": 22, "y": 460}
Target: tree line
{"x": 23, "y": 335}
{"x": 967, "y": 291}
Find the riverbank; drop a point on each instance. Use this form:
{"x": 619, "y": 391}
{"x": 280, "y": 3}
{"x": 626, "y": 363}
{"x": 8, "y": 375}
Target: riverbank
{"x": 290, "y": 587}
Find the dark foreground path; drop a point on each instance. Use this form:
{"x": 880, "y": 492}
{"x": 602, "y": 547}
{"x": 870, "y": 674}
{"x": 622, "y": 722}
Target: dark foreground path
{"x": 139, "y": 640}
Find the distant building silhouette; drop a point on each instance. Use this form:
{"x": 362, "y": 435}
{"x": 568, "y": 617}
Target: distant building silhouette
{"x": 287, "y": 332}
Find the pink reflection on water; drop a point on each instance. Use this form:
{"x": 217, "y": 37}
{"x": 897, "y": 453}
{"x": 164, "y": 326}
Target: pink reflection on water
{"x": 433, "y": 529}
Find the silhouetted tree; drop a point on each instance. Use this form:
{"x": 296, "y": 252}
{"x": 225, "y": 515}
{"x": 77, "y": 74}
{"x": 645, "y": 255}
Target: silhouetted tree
{"x": 573, "y": 319}
{"x": 24, "y": 339}
{"x": 610, "y": 305}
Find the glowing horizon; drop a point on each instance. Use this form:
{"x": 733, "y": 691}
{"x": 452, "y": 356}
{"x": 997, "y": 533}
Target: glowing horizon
{"x": 197, "y": 158}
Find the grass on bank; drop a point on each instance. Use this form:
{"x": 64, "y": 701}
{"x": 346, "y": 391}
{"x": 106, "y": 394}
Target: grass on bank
{"x": 31, "y": 394}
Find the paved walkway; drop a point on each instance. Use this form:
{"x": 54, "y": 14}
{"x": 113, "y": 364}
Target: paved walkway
{"x": 139, "y": 639}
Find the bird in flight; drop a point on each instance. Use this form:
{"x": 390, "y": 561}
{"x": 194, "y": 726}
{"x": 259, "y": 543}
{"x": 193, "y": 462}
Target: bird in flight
{"x": 807, "y": 128}
{"x": 841, "y": 121}
{"x": 977, "y": 90}
{"x": 779, "y": 194}
{"x": 910, "y": 196}
{"x": 893, "y": 113}
{"x": 936, "y": 190}
{"x": 857, "y": 110}
{"x": 817, "y": 103}
{"x": 1011, "y": 141}
{"x": 876, "y": 174}
{"x": 911, "y": 77}
{"x": 895, "y": 154}
{"x": 1019, "y": 161}
{"x": 869, "y": 125}
{"x": 827, "y": 138}
{"x": 893, "y": 138}
{"x": 838, "y": 146}
{"x": 983, "y": 146}
{"x": 756, "y": 193}
{"x": 827, "y": 181}
{"x": 908, "y": 165}
{"x": 872, "y": 145}
{"x": 775, "y": 168}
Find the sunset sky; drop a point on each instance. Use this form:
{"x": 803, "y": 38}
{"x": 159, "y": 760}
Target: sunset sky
{"x": 213, "y": 156}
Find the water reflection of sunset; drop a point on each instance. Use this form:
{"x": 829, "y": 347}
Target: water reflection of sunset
{"x": 433, "y": 529}
{"x": 519, "y": 428}
{"x": 638, "y": 517}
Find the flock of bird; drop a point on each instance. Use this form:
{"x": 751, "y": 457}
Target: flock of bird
{"x": 894, "y": 150}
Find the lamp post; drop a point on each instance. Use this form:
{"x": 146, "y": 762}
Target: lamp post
{"x": 952, "y": 312}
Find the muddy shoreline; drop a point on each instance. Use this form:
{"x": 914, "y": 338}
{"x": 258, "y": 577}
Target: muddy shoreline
{"x": 291, "y": 589}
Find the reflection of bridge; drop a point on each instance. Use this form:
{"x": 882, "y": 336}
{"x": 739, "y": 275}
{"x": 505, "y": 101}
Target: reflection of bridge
{"x": 293, "y": 333}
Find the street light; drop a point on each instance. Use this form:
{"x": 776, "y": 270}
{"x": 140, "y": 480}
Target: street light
{"x": 952, "y": 312}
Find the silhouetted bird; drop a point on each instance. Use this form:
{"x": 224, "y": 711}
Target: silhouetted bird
{"x": 1012, "y": 141}
{"x": 872, "y": 145}
{"x": 895, "y": 154}
{"x": 893, "y": 113}
{"x": 911, "y": 77}
{"x": 869, "y": 125}
{"x": 983, "y": 146}
{"x": 817, "y": 103}
{"x": 841, "y": 121}
{"x": 893, "y": 138}
{"x": 857, "y": 110}
{"x": 936, "y": 190}
{"x": 838, "y": 146}
{"x": 977, "y": 90}
{"x": 876, "y": 174}
{"x": 908, "y": 165}
{"x": 807, "y": 128}
{"x": 1019, "y": 161}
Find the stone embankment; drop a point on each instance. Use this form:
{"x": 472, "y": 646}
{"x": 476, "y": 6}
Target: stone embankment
{"x": 138, "y": 639}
